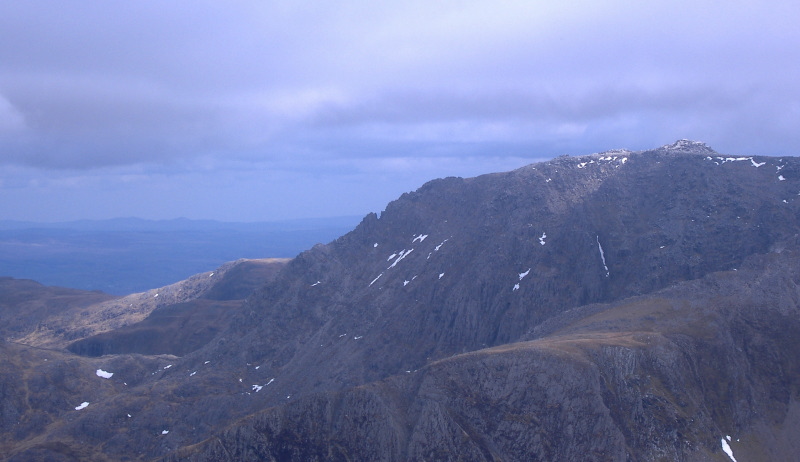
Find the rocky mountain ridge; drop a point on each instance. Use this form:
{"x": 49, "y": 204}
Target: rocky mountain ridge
{"x": 583, "y": 307}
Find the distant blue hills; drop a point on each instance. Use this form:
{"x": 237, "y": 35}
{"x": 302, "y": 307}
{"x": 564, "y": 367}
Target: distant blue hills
{"x": 126, "y": 255}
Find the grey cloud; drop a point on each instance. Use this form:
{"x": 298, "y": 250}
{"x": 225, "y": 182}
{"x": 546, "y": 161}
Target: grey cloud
{"x": 322, "y": 87}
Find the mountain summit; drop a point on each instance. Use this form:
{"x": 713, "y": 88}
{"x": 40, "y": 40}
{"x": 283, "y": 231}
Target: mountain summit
{"x": 617, "y": 306}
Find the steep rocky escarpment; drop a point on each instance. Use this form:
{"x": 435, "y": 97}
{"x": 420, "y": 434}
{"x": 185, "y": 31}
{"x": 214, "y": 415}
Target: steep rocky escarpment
{"x": 464, "y": 264}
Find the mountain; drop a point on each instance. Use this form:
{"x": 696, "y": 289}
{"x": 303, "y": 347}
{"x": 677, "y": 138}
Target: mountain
{"x": 618, "y": 306}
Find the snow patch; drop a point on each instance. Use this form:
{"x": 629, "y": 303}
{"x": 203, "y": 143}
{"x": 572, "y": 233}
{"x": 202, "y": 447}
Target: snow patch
{"x": 164, "y": 432}
{"x": 257, "y": 388}
{"x": 358, "y": 337}
{"x": 516, "y": 287}
{"x": 441, "y": 275}
{"x": 82, "y": 406}
{"x": 727, "y": 448}
{"x": 373, "y": 281}
{"x": 522, "y": 275}
{"x": 315, "y": 284}
{"x": 436, "y": 249}
{"x": 421, "y": 238}
{"x": 756, "y": 164}
{"x": 193, "y": 373}
{"x": 104, "y": 374}
{"x": 602, "y": 256}
{"x": 375, "y": 245}
{"x": 781, "y": 178}
{"x": 542, "y": 238}
{"x": 403, "y": 254}
{"x": 167, "y": 366}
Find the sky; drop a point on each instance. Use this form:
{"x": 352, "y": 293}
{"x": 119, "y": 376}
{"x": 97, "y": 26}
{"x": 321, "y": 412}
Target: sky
{"x": 275, "y": 110}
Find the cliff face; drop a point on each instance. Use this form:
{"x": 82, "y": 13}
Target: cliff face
{"x": 464, "y": 264}
{"x": 619, "y": 306}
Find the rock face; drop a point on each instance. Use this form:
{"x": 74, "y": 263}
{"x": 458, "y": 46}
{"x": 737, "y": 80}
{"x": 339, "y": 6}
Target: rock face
{"x": 618, "y": 306}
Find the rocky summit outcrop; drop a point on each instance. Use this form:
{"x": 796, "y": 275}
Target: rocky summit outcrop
{"x": 617, "y": 306}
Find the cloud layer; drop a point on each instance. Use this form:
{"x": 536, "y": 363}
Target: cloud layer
{"x": 322, "y": 96}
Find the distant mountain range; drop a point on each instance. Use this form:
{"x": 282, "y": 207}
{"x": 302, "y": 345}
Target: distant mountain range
{"x": 612, "y": 307}
{"x": 126, "y": 255}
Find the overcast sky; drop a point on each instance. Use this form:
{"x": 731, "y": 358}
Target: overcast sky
{"x": 270, "y": 110}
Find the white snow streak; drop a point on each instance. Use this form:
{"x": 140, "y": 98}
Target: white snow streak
{"x": 104, "y": 374}
{"x": 522, "y": 275}
{"x": 373, "y": 281}
{"x": 82, "y": 406}
{"x": 436, "y": 249}
{"x": 257, "y": 388}
{"x": 541, "y": 239}
{"x": 756, "y": 164}
{"x": 441, "y": 275}
{"x": 421, "y": 238}
{"x": 164, "y": 432}
{"x": 403, "y": 254}
{"x": 602, "y": 256}
{"x": 516, "y": 287}
{"x": 726, "y": 447}
{"x": 781, "y": 178}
